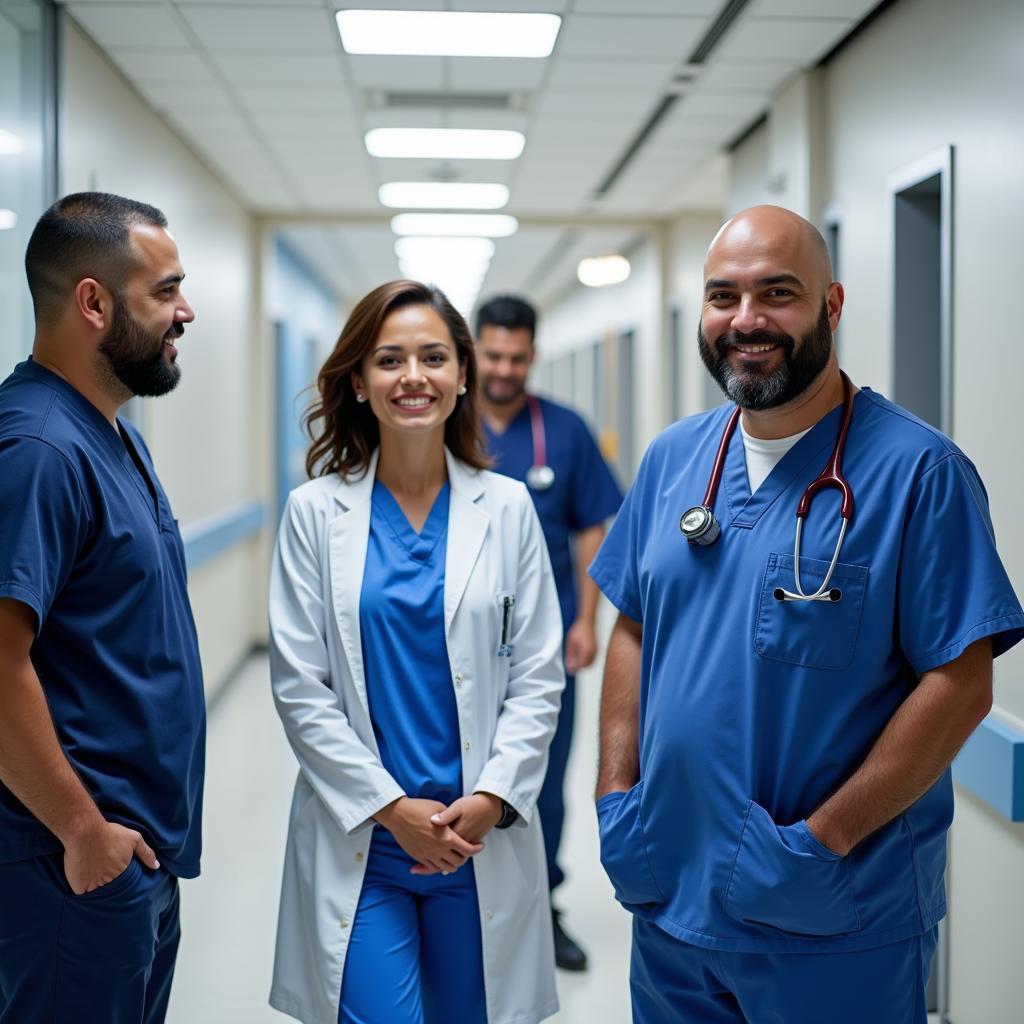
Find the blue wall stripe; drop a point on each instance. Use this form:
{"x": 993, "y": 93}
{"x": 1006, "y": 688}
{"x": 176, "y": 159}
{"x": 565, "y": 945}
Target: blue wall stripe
{"x": 212, "y": 536}
{"x": 991, "y": 766}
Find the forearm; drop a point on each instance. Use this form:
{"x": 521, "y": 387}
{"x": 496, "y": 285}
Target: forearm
{"x": 33, "y": 765}
{"x": 913, "y": 751}
{"x": 588, "y": 543}
{"x": 619, "y": 765}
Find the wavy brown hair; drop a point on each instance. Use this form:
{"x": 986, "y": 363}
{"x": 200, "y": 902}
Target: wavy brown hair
{"x": 345, "y": 432}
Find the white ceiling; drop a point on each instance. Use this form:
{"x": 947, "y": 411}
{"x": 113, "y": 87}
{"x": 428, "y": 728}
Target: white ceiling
{"x": 263, "y": 90}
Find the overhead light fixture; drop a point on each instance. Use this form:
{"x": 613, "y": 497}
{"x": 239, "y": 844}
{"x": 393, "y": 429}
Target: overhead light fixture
{"x": 9, "y": 143}
{"x": 444, "y": 143}
{"x": 8, "y": 220}
{"x": 444, "y": 195}
{"x": 448, "y": 33}
{"x": 463, "y": 252}
{"x": 485, "y": 225}
{"x": 599, "y": 271}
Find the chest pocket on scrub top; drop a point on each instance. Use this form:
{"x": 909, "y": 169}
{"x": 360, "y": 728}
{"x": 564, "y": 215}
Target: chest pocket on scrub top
{"x": 815, "y": 634}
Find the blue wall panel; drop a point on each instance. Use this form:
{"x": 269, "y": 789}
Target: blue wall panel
{"x": 991, "y": 766}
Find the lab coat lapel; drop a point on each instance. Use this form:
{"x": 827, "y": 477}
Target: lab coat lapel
{"x": 467, "y": 526}
{"x": 348, "y": 538}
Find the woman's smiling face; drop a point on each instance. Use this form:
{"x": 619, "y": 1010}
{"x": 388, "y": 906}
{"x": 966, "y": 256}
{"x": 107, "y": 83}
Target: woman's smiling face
{"x": 412, "y": 375}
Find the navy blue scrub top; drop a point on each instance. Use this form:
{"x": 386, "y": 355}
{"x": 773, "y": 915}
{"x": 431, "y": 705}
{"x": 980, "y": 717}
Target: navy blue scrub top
{"x": 754, "y": 711}
{"x": 89, "y": 544}
{"x": 405, "y": 654}
{"x": 584, "y": 492}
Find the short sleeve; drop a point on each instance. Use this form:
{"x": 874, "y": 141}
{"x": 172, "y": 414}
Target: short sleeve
{"x": 953, "y": 589}
{"x": 43, "y": 522}
{"x": 595, "y": 495}
{"x": 616, "y": 568}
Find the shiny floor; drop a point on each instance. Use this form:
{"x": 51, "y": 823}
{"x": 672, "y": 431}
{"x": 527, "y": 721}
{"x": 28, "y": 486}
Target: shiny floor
{"x": 229, "y": 914}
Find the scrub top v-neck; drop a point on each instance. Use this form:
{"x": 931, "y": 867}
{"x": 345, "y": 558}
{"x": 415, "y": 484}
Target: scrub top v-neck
{"x": 405, "y": 654}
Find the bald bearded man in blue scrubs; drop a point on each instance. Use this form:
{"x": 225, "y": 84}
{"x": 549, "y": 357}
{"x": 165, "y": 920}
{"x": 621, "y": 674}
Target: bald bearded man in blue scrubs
{"x": 774, "y": 787}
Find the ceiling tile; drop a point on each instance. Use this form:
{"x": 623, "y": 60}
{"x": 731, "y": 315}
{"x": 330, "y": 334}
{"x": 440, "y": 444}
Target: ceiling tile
{"x": 704, "y": 102}
{"x": 479, "y": 74}
{"x": 786, "y": 39}
{"x": 583, "y": 73}
{"x": 398, "y": 74}
{"x": 309, "y": 126}
{"x": 285, "y": 69}
{"x": 236, "y": 28}
{"x": 129, "y": 25}
{"x": 161, "y": 65}
{"x": 764, "y": 76}
{"x": 677, "y": 7}
{"x": 185, "y": 97}
{"x": 612, "y": 105}
{"x": 849, "y": 10}
{"x": 621, "y": 37}
{"x": 277, "y": 98}
{"x": 404, "y": 119}
{"x": 510, "y": 6}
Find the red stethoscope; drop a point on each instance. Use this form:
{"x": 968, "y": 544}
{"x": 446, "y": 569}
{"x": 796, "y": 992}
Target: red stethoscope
{"x": 540, "y": 476}
{"x": 700, "y": 527}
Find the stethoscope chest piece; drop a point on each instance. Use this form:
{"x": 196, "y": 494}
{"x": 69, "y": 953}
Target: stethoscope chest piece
{"x": 699, "y": 525}
{"x": 540, "y": 478}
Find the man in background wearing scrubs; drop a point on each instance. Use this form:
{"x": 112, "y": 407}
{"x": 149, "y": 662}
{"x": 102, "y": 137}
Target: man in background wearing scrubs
{"x": 774, "y": 787}
{"x": 103, "y": 719}
{"x": 574, "y": 493}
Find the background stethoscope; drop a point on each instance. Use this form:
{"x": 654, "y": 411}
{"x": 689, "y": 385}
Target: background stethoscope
{"x": 699, "y": 525}
{"x": 540, "y": 476}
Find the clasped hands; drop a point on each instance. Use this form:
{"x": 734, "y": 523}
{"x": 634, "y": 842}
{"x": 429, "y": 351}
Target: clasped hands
{"x": 441, "y": 839}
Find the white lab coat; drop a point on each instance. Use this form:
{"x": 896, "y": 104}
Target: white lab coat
{"x": 507, "y": 708}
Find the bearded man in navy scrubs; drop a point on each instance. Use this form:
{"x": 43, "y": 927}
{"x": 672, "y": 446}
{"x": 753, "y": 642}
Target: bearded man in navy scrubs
{"x": 103, "y": 722}
{"x": 549, "y": 447}
{"x": 774, "y": 788}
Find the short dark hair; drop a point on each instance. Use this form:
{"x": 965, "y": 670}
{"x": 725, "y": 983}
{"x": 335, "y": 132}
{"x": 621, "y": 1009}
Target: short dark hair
{"x": 508, "y": 311}
{"x": 345, "y": 432}
{"x": 85, "y": 234}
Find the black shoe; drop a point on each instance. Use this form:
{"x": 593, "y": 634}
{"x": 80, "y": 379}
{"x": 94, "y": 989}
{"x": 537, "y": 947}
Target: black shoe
{"x": 568, "y": 954}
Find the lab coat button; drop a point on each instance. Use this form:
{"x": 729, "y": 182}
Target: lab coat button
{"x": 344, "y": 922}
{"x": 458, "y": 679}
{"x": 359, "y": 858}
{"x": 467, "y": 744}
{"x": 489, "y": 916}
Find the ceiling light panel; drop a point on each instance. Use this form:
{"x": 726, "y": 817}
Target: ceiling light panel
{"x": 444, "y": 143}
{"x": 444, "y": 195}
{"x": 448, "y": 33}
{"x": 600, "y": 271}
{"x": 484, "y": 225}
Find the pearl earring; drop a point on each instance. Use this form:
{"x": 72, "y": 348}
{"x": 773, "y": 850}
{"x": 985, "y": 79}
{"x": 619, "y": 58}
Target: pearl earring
{"x": 360, "y": 398}
{"x": 462, "y": 390}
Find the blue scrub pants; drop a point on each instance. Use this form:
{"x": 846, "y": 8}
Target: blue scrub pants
{"x": 673, "y": 981}
{"x": 415, "y": 955}
{"x": 103, "y": 958}
{"x": 551, "y": 802}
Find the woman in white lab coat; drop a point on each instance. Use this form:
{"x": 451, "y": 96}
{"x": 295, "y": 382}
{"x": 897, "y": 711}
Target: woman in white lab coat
{"x": 416, "y": 666}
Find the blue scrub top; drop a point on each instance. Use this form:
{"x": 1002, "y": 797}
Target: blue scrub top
{"x": 90, "y": 545}
{"x": 405, "y": 654}
{"x": 753, "y": 712}
{"x": 584, "y": 492}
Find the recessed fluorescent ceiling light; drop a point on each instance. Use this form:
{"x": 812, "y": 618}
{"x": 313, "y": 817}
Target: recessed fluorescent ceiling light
{"x": 448, "y": 33}
{"x": 444, "y": 195}
{"x": 475, "y": 252}
{"x": 8, "y": 220}
{"x": 9, "y": 143}
{"x": 599, "y": 271}
{"x": 445, "y": 143}
{"x": 486, "y": 225}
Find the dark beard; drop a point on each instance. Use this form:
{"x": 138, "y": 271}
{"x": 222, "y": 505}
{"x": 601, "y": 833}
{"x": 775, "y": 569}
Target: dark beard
{"x": 136, "y": 357}
{"x": 753, "y": 387}
{"x": 503, "y": 399}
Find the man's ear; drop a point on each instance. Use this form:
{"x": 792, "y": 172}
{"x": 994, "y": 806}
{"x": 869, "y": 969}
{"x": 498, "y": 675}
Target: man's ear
{"x": 93, "y": 303}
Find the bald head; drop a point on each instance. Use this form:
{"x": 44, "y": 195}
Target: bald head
{"x": 773, "y": 234}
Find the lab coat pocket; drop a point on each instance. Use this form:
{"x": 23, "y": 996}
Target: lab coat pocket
{"x": 624, "y": 848}
{"x": 784, "y": 878}
{"x": 815, "y": 634}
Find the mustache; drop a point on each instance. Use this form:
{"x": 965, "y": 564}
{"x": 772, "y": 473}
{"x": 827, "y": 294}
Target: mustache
{"x": 176, "y": 331}
{"x": 761, "y": 337}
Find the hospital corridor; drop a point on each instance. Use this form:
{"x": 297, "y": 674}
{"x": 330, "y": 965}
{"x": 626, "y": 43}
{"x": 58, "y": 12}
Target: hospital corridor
{"x": 509, "y": 512}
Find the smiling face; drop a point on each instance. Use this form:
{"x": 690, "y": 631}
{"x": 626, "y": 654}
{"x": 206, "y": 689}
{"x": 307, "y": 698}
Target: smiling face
{"x": 504, "y": 356}
{"x": 411, "y": 376}
{"x": 770, "y": 308}
{"x": 149, "y": 315}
